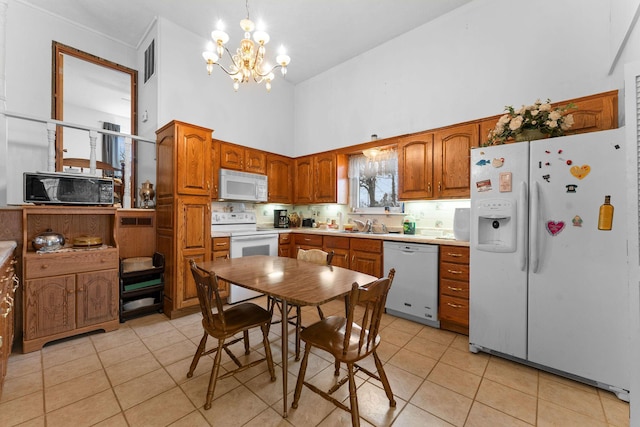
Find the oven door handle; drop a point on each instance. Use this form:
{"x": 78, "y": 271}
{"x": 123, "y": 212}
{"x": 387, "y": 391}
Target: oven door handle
{"x": 253, "y": 238}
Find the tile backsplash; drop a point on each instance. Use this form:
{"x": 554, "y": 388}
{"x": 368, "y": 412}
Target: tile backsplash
{"x": 431, "y": 217}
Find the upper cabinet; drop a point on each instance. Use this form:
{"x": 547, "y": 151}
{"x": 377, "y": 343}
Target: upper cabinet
{"x": 592, "y": 113}
{"x": 215, "y": 168}
{"x": 191, "y": 146}
{"x": 242, "y": 159}
{"x": 321, "y": 178}
{"x": 415, "y": 167}
{"x": 451, "y": 157}
{"x": 280, "y": 184}
{"x": 435, "y": 165}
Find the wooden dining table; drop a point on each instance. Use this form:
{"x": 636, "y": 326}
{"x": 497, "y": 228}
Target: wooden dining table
{"x": 292, "y": 281}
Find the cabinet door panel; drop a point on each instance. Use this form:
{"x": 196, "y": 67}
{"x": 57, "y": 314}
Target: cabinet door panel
{"x": 97, "y": 297}
{"x": 415, "y": 160}
{"x": 366, "y": 262}
{"x": 49, "y": 306}
{"x": 195, "y": 219}
{"x": 255, "y": 161}
{"x": 189, "y": 295}
{"x": 451, "y": 159}
{"x": 325, "y": 178}
{"x": 303, "y": 181}
{"x": 194, "y": 161}
{"x": 231, "y": 156}
{"x": 279, "y": 173}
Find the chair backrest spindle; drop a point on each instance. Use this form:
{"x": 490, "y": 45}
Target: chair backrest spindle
{"x": 371, "y": 299}
{"x": 207, "y": 288}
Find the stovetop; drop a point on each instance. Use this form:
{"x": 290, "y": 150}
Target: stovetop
{"x": 236, "y": 223}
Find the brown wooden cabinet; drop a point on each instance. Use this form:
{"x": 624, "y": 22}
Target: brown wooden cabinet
{"x": 321, "y": 178}
{"x": 215, "y": 168}
{"x": 241, "y": 158}
{"x": 435, "y": 165}
{"x": 183, "y": 229}
{"x": 136, "y": 232}
{"x": 71, "y": 291}
{"x": 451, "y": 160}
{"x": 280, "y": 179}
{"x": 220, "y": 249}
{"x": 284, "y": 245}
{"x": 340, "y": 247}
{"x": 415, "y": 165}
{"x": 306, "y": 241}
{"x": 454, "y": 288}
{"x": 304, "y": 181}
{"x": 366, "y": 256}
{"x": 8, "y": 287}
{"x": 592, "y": 113}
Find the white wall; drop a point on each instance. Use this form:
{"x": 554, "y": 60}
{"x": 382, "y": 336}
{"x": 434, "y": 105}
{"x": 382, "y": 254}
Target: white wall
{"x": 465, "y": 65}
{"x": 252, "y": 116}
{"x": 30, "y": 33}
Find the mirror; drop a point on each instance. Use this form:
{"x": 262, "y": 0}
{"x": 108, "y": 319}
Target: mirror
{"x": 91, "y": 91}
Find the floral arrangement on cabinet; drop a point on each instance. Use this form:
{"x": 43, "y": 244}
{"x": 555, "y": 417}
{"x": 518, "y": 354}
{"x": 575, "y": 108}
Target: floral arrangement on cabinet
{"x": 535, "y": 121}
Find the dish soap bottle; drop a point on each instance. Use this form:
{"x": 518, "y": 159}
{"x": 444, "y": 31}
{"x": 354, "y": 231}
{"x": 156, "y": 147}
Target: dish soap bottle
{"x": 605, "y": 218}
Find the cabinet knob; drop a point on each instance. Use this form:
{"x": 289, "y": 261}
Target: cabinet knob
{"x": 454, "y": 289}
{"x": 454, "y": 255}
{"x": 454, "y": 305}
{"x": 454, "y": 271}
{"x": 44, "y": 266}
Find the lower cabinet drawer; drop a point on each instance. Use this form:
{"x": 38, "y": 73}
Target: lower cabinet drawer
{"x": 454, "y": 288}
{"x": 454, "y": 271}
{"x": 56, "y": 264}
{"x": 454, "y": 309}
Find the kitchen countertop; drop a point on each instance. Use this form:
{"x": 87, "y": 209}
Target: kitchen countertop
{"x": 6, "y": 249}
{"x": 395, "y": 237}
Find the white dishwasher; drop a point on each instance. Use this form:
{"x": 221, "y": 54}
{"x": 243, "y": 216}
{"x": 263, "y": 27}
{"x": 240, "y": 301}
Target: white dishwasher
{"x": 414, "y": 291}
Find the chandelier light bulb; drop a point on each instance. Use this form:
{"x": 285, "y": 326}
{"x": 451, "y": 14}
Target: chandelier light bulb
{"x": 283, "y": 59}
{"x": 267, "y": 85}
{"x": 220, "y": 37}
{"x": 261, "y": 37}
{"x": 247, "y": 25}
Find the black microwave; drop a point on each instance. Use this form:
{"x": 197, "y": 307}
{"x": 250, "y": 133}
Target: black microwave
{"x": 59, "y": 188}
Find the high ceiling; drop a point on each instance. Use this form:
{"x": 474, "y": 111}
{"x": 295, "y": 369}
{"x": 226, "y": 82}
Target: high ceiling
{"x": 317, "y": 34}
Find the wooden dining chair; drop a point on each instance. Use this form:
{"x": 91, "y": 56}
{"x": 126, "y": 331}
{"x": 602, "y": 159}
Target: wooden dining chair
{"x": 225, "y": 325}
{"x": 316, "y": 256}
{"x": 350, "y": 340}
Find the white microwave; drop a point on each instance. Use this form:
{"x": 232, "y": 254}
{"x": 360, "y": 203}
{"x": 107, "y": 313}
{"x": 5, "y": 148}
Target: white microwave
{"x": 244, "y": 186}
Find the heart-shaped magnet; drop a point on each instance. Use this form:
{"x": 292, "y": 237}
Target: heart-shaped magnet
{"x": 555, "y": 227}
{"x": 580, "y": 171}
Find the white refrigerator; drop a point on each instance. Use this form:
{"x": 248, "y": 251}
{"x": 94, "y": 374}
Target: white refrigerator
{"x": 547, "y": 286}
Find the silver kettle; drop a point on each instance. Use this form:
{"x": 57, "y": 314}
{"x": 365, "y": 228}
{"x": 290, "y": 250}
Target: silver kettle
{"x": 48, "y": 241}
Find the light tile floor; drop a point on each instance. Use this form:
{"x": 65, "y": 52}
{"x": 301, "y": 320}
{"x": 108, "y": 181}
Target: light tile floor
{"x": 136, "y": 376}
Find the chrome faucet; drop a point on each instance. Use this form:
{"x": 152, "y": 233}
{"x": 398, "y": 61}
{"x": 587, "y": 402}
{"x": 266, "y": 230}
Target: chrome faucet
{"x": 364, "y": 227}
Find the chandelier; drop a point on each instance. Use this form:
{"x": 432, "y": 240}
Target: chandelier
{"x": 248, "y": 62}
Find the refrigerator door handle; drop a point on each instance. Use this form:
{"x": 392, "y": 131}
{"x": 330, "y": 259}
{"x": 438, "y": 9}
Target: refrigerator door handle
{"x": 534, "y": 236}
{"x": 522, "y": 225}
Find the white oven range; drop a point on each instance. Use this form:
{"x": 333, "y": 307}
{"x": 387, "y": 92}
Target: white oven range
{"x": 246, "y": 240}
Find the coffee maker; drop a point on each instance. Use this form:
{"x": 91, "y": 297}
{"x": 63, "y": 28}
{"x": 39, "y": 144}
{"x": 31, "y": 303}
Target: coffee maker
{"x": 280, "y": 218}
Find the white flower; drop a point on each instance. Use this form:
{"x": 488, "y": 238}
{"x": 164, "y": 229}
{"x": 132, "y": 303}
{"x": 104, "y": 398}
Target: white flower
{"x": 504, "y": 120}
{"x": 545, "y": 107}
{"x": 516, "y": 122}
{"x": 552, "y": 124}
{"x": 555, "y": 115}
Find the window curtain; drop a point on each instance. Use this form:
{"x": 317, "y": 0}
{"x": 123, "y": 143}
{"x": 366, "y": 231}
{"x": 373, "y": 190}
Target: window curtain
{"x": 111, "y": 145}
